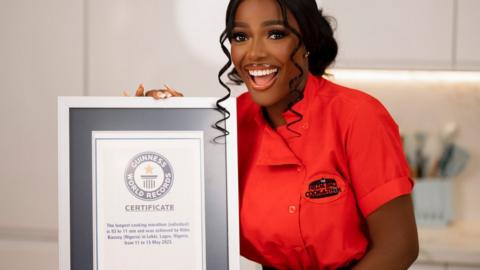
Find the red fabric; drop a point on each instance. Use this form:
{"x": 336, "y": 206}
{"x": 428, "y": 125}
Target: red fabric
{"x": 304, "y": 199}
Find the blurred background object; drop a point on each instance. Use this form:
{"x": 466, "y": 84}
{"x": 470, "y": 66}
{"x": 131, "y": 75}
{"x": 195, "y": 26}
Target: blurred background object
{"x": 420, "y": 58}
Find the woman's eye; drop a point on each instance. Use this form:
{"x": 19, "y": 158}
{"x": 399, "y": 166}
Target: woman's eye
{"x": 276, "y": 34}
{"x": 239, "y": 37}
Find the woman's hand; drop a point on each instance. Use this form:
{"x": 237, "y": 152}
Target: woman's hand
{"x": 155, "y": 93}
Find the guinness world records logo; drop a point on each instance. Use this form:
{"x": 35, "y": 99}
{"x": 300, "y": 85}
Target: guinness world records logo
{"x": 149, "y": 176}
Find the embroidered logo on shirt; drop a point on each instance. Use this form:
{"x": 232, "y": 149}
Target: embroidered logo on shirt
{"x": 324, "y": 187}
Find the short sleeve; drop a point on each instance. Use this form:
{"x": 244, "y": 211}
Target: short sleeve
{"x": 378, "y": 169}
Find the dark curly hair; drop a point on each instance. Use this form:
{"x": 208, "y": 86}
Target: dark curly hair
{"x": 316, "y": 34}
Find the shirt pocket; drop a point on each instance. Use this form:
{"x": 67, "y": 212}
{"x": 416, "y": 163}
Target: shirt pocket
{"x": 330, "y": 222}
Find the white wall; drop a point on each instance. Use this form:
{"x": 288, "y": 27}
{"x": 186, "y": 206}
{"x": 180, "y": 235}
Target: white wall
{"x": 41, "y": 58}
{"x": 155, "y": 43}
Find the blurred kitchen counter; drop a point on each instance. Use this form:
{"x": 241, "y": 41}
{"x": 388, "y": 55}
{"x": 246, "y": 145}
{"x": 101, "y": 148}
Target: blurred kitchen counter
{"x": 458, "y": 244}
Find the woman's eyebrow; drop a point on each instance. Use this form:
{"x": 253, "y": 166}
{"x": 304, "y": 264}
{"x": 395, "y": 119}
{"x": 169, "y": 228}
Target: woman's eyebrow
{"x": 265, "y": 23}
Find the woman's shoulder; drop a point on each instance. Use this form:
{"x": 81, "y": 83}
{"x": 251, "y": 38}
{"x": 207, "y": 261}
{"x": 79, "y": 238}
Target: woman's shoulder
{"x": 351, "y": 100}
{"x": 245, "y": 104}
{"x": 244, "y": 99}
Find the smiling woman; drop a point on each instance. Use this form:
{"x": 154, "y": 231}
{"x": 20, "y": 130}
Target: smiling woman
{"x": 291, "y": 41}
{"x": 261, "y": 51}
{"x": 323, "y": 183}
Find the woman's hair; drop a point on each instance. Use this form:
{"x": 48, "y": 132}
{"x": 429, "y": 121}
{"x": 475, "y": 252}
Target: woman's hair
{"x": 316, "y": 34}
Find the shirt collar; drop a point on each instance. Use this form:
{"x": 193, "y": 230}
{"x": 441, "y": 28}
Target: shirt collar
{"x": 311, "y": 87}
{"x": 310, "y": 90}
{"x": 274, "y": 150}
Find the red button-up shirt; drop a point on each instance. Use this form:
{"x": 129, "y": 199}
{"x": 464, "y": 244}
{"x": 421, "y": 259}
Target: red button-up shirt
{"x": 304, "y": 196}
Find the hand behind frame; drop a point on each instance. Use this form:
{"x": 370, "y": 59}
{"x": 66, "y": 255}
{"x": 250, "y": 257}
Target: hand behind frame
{"x": 155, "y": 93}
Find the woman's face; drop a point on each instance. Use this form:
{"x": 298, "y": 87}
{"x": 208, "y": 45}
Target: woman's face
{"x": 261, "y": 47}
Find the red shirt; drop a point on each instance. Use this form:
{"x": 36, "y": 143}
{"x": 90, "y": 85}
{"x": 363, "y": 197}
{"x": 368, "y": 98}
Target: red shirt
{"x": 304, "y": 198}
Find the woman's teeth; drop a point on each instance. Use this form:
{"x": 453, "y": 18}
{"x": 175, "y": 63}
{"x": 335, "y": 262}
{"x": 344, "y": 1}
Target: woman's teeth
{"x": 263, "y": 72}
{"x": 262, "y": 79}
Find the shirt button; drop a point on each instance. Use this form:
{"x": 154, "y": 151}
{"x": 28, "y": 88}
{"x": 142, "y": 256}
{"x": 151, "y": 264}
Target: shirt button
{"x": 299, "y": 168}
{"x": 292, "y": 209}
{"x": 305, "y": 126}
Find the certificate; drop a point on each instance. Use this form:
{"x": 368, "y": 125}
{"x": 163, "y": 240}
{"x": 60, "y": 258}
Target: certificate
{"x": 148, "y": 200}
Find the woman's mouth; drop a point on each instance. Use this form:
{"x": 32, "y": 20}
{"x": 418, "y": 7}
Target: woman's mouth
{"x": 262, "y": 79}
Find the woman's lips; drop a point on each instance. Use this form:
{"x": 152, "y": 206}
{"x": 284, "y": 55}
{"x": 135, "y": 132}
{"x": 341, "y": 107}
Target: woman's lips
{"x": 262, "y": 79}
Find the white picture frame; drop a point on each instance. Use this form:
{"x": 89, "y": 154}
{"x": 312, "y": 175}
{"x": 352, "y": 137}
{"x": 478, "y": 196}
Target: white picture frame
{"x": 101, "y": 105}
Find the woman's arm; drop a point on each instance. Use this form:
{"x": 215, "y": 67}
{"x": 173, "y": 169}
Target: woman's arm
{"x": 393, "y": 237}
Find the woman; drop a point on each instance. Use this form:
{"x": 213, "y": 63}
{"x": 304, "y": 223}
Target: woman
{"x": 323, "y": 180}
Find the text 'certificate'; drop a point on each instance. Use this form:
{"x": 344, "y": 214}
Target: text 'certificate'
{"x": 148, "y": 200}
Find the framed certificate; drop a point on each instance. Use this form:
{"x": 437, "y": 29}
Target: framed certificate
{"x": 143, "y": 184}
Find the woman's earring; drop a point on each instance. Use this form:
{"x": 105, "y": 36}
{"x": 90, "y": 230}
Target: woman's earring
{"x": 306, "y": 54}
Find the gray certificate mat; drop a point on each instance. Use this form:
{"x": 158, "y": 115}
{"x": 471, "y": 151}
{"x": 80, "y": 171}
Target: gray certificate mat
{"x": 77, "y": 121}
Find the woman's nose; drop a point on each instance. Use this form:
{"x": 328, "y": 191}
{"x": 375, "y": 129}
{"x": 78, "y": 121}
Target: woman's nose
{"x": 256, "y": 49}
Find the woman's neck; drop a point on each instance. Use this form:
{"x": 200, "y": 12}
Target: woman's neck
{"x": 274, "y": 116}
